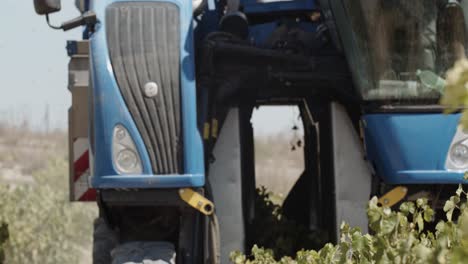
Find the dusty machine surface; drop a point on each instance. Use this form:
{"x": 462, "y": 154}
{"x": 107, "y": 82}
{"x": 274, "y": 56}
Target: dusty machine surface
{"x": 163, "y": 93}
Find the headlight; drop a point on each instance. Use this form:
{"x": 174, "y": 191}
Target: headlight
{"x": 457, "y": 157}
{"x": 124, "y": 153}
{"x": 459, "y": 154}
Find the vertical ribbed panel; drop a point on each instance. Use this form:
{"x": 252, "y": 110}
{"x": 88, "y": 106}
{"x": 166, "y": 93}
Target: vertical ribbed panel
{"x": 144, "y": 46}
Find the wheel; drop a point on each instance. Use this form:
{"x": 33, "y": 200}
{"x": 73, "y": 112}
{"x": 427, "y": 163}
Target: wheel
{"x": 106, "y": 249}
{"x": 144, "y": 253}
{"x": 104, "y": 240}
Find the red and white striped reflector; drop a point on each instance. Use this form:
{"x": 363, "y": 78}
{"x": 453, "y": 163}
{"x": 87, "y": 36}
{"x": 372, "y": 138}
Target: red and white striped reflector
{"x": 81, "y": 188}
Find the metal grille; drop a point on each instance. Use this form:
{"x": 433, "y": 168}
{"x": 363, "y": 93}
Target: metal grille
{"x": 144, "y": 47}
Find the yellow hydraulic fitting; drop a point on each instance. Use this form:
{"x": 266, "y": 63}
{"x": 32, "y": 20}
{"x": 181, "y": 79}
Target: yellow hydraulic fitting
{"x": 394, "y": 196}
{"x": 197, "y": 201}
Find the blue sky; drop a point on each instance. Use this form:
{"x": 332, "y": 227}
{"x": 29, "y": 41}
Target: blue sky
{"x": 33, "y": 69}
{"x": 33, "y": 63}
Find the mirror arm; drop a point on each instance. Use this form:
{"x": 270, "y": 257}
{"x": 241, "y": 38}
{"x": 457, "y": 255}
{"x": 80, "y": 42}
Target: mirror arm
{"x": 50, "y": 25}
{"x": 88, "y": 18}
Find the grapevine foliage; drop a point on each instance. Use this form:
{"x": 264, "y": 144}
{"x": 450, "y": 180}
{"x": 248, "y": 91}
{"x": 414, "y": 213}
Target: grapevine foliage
{"x": 456, "y": 90}
{"x": 398, "y": 237}
{"x": 271, "y": 229}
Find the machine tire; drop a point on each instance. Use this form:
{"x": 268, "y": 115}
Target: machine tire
{"x": 104, "y": 241}
{"x": 144, "y": 253}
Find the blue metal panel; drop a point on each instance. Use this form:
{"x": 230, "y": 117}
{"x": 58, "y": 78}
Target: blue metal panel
{"x": 255, "y": 6}
{"x": 411, "y": 148}
{"x": 110, "y": 110}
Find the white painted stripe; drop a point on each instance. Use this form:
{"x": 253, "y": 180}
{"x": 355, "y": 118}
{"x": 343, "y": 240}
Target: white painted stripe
{"x": 80, "y": 146}
{"x": 81, "y": 186}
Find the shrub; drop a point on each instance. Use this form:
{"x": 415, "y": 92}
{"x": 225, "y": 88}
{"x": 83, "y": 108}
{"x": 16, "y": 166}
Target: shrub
{"x": 3, "y": 239}
{"x": 43, "y": 226}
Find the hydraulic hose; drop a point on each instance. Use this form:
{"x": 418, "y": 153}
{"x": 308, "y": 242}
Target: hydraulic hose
{"x": 215, "y": 247}
{"x": 214, "y": 237}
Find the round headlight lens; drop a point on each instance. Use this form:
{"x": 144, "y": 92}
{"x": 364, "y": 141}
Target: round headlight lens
{"x": 124, "y": 153}
{"x": 459, "y": 155}
{"x": 120, "y": 133}
{"x": 127, "y": 160}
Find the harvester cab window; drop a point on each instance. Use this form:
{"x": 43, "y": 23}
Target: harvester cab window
{"x": 403, "y": 47}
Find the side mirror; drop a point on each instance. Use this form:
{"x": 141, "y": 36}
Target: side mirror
{"x": 44, "y": 7}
